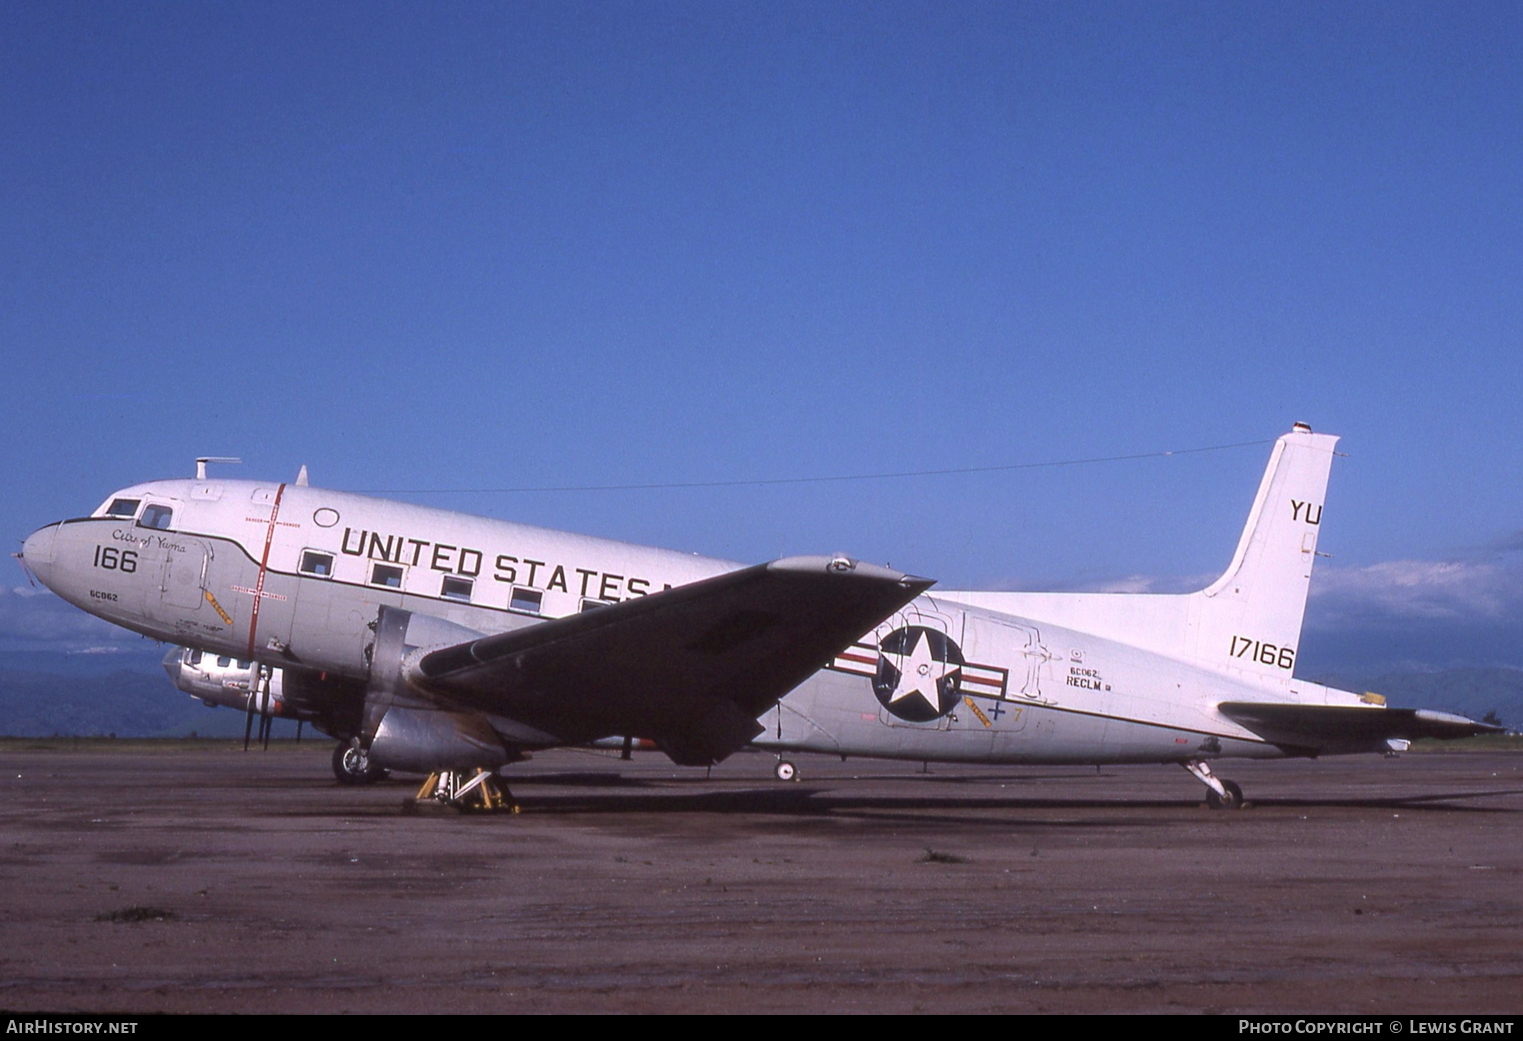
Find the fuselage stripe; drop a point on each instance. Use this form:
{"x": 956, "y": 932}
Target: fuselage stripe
{"x": 264, "y": 565}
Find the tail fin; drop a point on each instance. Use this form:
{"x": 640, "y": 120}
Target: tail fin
{"x": 1247, "y": 620}
{"x": 1252, "y": 615}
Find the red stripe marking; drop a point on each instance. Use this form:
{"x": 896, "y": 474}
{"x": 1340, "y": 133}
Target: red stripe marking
{"x": 264, "y": 564}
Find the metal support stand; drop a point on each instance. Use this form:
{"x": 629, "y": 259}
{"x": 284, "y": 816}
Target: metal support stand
{"x": 479, "y": 791}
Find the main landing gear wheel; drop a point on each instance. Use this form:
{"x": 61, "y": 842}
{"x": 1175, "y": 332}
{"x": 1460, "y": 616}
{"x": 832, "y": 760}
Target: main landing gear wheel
{"x": 785, "y": 771}
{"x": 1231, "y": 800}
{"x": 351, "y": 765}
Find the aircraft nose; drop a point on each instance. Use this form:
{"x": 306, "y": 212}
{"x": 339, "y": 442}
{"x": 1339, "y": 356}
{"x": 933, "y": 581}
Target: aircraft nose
{"x": 37, "y": 553}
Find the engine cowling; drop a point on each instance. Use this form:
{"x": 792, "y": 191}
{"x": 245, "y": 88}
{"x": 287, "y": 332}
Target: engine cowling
{"x": 404, "y": 728}
{"x": 331, "y": 703}
{"x": 224, "y": 681}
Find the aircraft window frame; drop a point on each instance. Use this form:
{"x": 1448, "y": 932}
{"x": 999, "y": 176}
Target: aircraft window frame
{"x": 192, "y": 656}
{"x": 522, "y": 596}
{"x": 119, "y": 514}
{"x": 387, "y": 576}
{"x": 461, "y": 593}
{"x": 308, "y": 566}
{"x": 157, "y": 517}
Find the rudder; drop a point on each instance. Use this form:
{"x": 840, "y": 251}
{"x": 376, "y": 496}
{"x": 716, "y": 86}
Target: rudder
{"x": 1251, "y": 616}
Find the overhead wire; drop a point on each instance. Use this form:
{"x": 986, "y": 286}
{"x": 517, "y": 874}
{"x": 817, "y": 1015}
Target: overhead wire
{"x": 770, "y": 481}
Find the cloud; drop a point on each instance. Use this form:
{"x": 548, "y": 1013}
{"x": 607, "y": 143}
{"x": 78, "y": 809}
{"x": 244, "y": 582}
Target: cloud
{"x": 1147, "y": 584}
{"x": 36, "y": 619}
{"x": 1484, "y": 591}
{"x": 1130, "y": 584}
{"x": 1391, "y": 616}
{"x": 1509, "y": 543}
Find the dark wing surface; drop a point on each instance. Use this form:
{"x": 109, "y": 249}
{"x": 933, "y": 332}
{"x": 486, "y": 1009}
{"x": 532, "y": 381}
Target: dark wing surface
{"x": 692, "y": 667}
{"x": 1313, "y": 729}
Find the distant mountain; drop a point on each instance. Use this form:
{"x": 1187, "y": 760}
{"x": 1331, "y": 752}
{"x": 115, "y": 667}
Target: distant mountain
{"x": 44, "y": 693}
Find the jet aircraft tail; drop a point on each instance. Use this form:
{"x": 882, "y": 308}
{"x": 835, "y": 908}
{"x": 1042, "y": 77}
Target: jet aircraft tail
{"x": 1249, "y": 619}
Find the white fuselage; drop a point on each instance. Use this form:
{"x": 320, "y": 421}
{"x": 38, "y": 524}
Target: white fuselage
{"x": 294, "y": 576}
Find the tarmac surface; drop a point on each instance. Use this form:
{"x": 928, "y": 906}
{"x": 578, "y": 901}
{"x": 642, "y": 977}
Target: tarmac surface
{"x": 192, "y": 877}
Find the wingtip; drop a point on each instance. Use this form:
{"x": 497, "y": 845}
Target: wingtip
{"x": 843, "y": 565}
{"x": 1453, "y": 719}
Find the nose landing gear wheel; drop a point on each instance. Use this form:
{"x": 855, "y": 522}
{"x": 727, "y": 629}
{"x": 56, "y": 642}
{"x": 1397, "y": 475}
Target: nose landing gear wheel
{"x": 785, "y": 771}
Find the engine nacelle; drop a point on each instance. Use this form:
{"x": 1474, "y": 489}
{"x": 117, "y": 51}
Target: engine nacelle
{"x": 331, "y": 703}
{"x": 225, "y": 681}
{"x": 407, "y": 730}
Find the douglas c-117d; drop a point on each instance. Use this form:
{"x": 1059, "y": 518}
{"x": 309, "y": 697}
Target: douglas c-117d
{"x": 452, "y": 645}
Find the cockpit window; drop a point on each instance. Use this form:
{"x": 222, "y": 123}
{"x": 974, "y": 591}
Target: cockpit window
{"x": 123, "y": 507}
{"x": 157, "y": 517}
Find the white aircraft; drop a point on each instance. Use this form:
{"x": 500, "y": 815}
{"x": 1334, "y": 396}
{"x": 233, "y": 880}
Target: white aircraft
{"x": 451, "y": 645}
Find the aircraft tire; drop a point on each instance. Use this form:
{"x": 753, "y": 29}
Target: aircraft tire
{"x": 1232, "y": 801}
{"x": 785, "y": 771}
{"x": 352, "y": 766}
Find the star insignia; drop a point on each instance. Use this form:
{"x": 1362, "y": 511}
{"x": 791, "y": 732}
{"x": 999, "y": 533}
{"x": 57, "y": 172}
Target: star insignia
{"x": 921, "y": 674}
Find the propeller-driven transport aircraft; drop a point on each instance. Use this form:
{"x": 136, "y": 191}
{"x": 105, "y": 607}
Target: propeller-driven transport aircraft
{"x": 450, "y": 645}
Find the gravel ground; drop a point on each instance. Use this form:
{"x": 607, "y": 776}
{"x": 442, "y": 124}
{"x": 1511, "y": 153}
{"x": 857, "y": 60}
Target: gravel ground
{"x": 192, "y": 877}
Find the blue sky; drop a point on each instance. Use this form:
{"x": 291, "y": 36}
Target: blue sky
{"x": 506, "y": 245}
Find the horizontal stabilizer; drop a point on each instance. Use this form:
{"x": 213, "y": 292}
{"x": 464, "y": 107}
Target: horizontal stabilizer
{"x": 1316, "y": 729}
{"x": 691, "y": 667}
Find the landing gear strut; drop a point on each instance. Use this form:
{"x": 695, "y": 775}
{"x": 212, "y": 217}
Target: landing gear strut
{"x": 351, "y": 765}
{"x": 1221, "y": 794}
{"x": 479, "y": 791}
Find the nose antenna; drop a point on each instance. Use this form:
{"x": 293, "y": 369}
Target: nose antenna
{"x": 21, "y": 559}
{"x": 203, "y": 460}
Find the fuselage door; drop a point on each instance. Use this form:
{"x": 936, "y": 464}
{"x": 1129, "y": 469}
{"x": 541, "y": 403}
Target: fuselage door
{"x": 183, "y": 586}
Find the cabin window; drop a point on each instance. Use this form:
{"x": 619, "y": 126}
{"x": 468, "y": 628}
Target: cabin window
{"x": 589, "y": 604}
{"x": 123, "y": 507}
{"x": 193, "y": 657}
{"x": 315, "y": 563}
{"x": 223, "y": 661}
{"x": 526, "y": 599}
{"x": 386, "y": 575}
{"x": 456, "y": 588}
{"x": 157, "y": 517}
